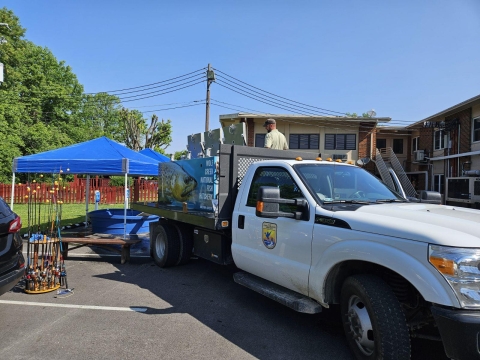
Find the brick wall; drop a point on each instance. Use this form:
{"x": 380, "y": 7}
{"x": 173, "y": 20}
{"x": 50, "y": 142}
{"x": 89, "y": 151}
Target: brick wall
{"x": 250, "y": 132}
{"x": 364, "y": 139}
{"x": 465, "y": 120}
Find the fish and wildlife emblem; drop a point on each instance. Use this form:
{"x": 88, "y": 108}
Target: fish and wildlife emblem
{"x": 269, "y": 235}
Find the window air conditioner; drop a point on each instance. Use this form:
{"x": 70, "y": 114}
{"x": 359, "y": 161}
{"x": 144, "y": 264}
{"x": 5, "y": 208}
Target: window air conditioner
{"x": 463, "y": 189}
{"x": 419, "y": 155}
{"x": 340, "y": 157}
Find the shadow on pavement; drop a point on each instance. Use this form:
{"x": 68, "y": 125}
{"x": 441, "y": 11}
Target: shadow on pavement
{"x": 258, "y": 325}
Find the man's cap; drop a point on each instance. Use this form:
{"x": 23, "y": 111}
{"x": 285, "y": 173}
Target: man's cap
{"x": 269, "y": 121}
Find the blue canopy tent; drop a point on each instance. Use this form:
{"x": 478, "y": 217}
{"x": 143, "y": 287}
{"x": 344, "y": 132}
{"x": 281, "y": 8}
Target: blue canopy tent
{"x": 101, "y": 156}
{"x": 154, "y": 155}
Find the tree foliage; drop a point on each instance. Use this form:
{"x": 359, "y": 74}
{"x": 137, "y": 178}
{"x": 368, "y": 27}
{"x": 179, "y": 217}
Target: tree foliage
{"x": 139, "y": 135}
{"x": 179, "y": 154}
{"x": 354, "y": 115}
{"x": 43, "y": 105}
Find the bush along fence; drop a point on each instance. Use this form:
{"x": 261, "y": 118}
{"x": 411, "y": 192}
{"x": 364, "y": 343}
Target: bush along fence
{"x": 75, "y": 192}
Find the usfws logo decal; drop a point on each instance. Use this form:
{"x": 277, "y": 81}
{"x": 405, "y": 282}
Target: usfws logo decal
{"x": 269, "y": 235}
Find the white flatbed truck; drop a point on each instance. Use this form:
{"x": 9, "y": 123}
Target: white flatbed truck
{"x": 310, "y": 233}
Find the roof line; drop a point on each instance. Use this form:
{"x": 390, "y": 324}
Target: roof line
{"x": 454, "y": 107}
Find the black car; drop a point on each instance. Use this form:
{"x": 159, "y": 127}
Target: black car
{"x": 12, "y": 262}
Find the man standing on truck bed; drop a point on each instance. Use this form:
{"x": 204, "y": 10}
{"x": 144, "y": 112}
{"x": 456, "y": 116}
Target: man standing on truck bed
{"x": 274, "y": 138}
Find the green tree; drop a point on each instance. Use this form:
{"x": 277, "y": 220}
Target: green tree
{"x": 159, "y": 134}
{"x": 43, "y": 105}
{"x": 354, "y": 115}
{"x": 138, "y": 135}
{"x": 35, "y": 99}
{"x": 178, "y": 154}
{"x": 100, "y": 113}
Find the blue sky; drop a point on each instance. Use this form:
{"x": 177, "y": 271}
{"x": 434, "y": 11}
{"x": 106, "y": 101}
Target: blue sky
{"x": 406, "y": 59}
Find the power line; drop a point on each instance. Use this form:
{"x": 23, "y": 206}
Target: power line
{"x": 157, "y": 91}
{"x": 176, "y": 103}
{"x": 158, "y": 86}
{"x": 166, "y": 92}
{"x": 265, "y": 97}
{"x": 281, "y": 97}
{"x": 177, "y": 107}
{"x": 265, "y": 102}
{"x": 155, "y": 83}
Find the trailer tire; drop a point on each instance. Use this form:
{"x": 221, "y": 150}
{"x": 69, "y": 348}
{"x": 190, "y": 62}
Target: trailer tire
{"x": 166, "y": 247}
{"x": 373, "y": 320}
{"x": 185, "y": 239}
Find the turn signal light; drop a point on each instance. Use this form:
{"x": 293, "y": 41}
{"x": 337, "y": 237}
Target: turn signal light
{"x": 445, "y": 266}
{"x": 259, "y": 206}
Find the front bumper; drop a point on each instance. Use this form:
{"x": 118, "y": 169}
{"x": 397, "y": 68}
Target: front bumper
{"x": 460, "y": 332}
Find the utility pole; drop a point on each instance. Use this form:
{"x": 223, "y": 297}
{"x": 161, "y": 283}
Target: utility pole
{"x": 210, "y": 79}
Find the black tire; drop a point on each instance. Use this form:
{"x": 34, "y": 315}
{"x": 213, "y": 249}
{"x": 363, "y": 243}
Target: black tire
{"x": 373, "y": 319}
{"x": 185, "y": 239}
{"x": 166, "y": 247}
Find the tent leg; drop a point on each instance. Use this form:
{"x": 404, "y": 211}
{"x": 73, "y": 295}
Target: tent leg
{"x": 125, "y": 204}
{"x": 87, "y": 199}
{"x": 13, "y": 190}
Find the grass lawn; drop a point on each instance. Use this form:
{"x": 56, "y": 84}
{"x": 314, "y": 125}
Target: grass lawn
{"x": 70, "y": 214}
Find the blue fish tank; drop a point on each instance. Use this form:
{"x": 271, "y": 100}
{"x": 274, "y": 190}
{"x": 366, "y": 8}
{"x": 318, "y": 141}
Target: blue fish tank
{"x": 111, "y": 221}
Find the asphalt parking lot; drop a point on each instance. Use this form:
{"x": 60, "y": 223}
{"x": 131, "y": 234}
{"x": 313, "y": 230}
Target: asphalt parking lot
{"x": 138, "y": 310}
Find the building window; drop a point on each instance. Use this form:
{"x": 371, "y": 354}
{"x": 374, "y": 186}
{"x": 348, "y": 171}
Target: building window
{"x": 340, "y": 142}
{"x": 476, "y": 129}
{"x": 381, "y": 143}
{"x": 415, "y": 143}
{"x": 398, "y": 146}
{"x": 304, "y": 141}
{"x": 439, "y": 183}
{"x": 260, "y": 140}
{"x": 439, "y": 139}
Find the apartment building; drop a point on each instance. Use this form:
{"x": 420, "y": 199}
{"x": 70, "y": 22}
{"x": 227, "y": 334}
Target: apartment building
{"x": 333, "y": 137}
{"x": 443, "y": 146}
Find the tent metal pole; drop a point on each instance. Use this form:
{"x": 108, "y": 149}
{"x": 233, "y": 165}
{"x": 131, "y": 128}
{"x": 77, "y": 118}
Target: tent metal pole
{"x": 87, "y": 198}
{"x": 13, "y": 190}
{"x": 125, "y": 203}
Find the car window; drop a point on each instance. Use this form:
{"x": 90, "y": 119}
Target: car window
{"x": 272, "y": 176}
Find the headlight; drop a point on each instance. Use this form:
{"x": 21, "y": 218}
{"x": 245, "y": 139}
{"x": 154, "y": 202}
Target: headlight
{"x": 461, "y": 268}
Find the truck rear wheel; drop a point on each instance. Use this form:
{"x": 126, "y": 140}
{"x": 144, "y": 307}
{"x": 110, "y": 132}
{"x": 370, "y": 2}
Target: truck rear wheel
{"x": 166, "y": 248}
{"x": 373, "y": 319}
{"x": 185, "y": 239}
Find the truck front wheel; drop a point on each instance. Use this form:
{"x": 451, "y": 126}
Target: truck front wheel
{"x": 166, "y": 249}
{"x": 373, "y": 319}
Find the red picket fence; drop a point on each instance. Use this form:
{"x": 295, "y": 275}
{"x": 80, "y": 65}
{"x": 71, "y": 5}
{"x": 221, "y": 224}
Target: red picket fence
{"x": 74, "y": 192}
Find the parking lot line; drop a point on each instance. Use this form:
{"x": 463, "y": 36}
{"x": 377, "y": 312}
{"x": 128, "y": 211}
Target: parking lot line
{"x": 73, "y": 306}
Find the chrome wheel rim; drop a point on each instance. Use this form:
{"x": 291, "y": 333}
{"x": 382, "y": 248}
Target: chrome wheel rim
{"x": 160, "y": 246}
{"x": 360, "y": 325}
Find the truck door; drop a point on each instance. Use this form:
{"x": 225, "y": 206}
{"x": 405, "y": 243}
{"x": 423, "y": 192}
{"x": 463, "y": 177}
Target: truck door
{"x": 276, "y": 249}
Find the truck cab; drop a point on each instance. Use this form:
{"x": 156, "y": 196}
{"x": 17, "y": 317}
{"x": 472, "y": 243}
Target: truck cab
{"x": 336, "y": 234}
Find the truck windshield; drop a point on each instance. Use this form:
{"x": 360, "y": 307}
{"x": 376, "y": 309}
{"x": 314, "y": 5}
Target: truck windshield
{"x": 331, "y": 183}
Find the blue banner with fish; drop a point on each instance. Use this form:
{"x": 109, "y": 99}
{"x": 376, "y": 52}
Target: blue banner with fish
{"x": 194, "y": 182}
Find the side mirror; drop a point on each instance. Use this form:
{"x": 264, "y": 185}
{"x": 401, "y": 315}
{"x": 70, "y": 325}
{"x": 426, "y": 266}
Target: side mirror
{"x": 269, "y": 200}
